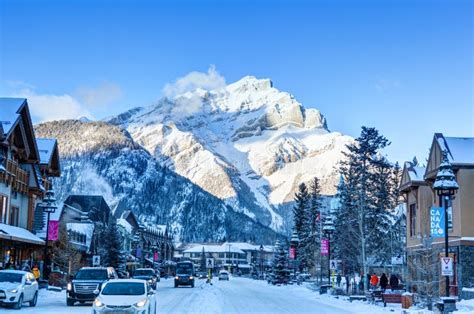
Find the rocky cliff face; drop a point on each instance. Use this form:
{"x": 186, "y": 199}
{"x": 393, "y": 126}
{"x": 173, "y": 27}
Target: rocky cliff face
{"x": 100, "y": 158}
{"x": 248, "y": 144}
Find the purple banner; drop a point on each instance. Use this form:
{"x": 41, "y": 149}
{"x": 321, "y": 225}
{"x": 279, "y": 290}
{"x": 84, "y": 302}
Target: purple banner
{"x": 155, "y": 256}
{"x": 324, "y": 246}
{"x": 292, "y": 252}
{"x": 53, "y": 230}
{"x": 139, "y": 252}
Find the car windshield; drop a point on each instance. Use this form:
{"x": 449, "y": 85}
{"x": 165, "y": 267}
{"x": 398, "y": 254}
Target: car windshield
{"x": 92, "y": 274}
{"x": 10, "y": 277}
{"x": 124, "y": 288}
{"x": 144, "y": 272}
{"x": 184, "y": 269}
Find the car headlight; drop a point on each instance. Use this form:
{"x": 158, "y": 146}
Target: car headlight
{"x": 191, "y": 277}
{"x": 177, "y": 278}
{"x": 98, "y": 303}
{"x": 141, "y": 303}
{"x": 13, "y": 290}
{"x": 69, "y": 286}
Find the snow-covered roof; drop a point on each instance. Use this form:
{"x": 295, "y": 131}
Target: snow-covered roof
{"x": 9, "y": 112}
{"x": 211, "y": 248}
{"x": 461, "y": 149}
{"x": 84, "y": 228}
{"x": 124, "y": 223}
{"x": 416, "y": 173}
{"x": 46, "y": 149}
{"x": 18, "y": 234}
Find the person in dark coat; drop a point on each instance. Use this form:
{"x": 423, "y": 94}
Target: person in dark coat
{"x": 393, "y": 282}
{"x": 383, "y": 282}
{"x": 338, "y": 280}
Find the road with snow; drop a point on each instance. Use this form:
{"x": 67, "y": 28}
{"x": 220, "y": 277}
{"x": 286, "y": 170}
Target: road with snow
{"x": 239, "y": 295}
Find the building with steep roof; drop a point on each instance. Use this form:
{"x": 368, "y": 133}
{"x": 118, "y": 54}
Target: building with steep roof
{"x": 416, "y": 187}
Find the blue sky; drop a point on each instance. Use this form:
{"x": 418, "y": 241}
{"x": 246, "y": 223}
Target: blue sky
{"x": 405, "y": 67}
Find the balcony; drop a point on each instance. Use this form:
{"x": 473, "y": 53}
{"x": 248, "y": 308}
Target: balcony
{"x": 16, "y": 177}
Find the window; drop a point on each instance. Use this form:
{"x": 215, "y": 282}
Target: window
{"x": 3, "y": 208}
{"x": 14, "y": 216}
{"x": 412, "y": 220}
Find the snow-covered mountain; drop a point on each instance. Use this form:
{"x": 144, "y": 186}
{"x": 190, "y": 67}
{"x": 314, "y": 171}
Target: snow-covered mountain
{"x": 248, "y": 144}
{"x": 102, "y": 159}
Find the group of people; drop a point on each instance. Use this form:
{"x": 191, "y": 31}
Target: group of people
{"x": 384, "y": 281}
{"x": 26, "y": 267}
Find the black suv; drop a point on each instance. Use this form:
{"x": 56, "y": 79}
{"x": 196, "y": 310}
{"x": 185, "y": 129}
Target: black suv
{"x": 88, "y": 279}
{"x": 184, "y": 274}
{"x": 148, "y": 274}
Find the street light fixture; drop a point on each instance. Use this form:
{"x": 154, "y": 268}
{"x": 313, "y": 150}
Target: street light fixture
{"x": 48, "y": 206}
{"x": 446, "y": 187}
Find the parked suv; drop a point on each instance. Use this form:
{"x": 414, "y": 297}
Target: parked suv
{"x": 86, "y": 281}
{"x": 17, "y": 287}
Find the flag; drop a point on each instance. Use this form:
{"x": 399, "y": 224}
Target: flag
{"x": 53, "y": 230}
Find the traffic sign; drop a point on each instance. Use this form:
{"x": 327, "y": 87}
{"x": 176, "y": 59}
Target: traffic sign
{"x": 96, "y": 260}
{"x": 333, "y": 264}
{"x": 209, "y": 263}
{"x": 446, "y": 266}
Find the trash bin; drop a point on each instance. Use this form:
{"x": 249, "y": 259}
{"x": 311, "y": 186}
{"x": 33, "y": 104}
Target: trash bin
{"x": 407, "y": 300}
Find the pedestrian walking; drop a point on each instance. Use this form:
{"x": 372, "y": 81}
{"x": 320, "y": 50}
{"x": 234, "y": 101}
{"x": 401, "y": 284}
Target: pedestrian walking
{"x": 393, "y": 282}
{"x": 36, "y": 272}
{"x": 374, "y": 281}
{"x": 338, "y": 280}
{"x": 383, "y": 282}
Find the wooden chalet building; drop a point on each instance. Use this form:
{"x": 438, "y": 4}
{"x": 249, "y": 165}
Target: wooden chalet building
{"x": 24, "y": 172}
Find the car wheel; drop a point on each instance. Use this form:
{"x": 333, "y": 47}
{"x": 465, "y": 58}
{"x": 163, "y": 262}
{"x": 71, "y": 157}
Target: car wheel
{"x": 18, "y": 305}
{"x": 35, "y": 299}
{"x": 70, "y": 302}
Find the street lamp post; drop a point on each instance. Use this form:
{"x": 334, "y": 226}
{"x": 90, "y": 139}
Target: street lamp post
{"x": 48, "y": 207}
{"x": 328, "y": 229}
{"x": 445, "y": 186}
{"x": 294, "y": 241}
{"x": 261, "y": 261}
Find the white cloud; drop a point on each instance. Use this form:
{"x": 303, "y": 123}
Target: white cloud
{"x": 102, "y": 95}
{"x": 208, "y": 81}
{"x": 46, "y": 107}
{"x": 384, "y": 85}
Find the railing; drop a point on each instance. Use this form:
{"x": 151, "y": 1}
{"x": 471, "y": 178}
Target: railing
{"x": 16, "y": 177}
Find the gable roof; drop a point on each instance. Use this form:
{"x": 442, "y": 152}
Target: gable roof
{"x": 49, "y": 155}
{"x": 15, "y": 119}
{"x": 411, "y": 176}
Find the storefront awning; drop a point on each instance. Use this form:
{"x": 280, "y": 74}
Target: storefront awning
{"x": 18, "y": 234}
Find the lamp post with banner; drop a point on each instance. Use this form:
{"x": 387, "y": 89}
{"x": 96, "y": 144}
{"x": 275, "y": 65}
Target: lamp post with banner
{"x": 48, "y": 206}
{"x": 328, "y": 229}
{"x": 261, "y": 261}
{"x": 446, "y": 187}
{"x": 294, "y": 242}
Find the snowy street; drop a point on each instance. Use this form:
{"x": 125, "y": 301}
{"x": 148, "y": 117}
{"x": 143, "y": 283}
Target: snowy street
{"x": 239, "y": 295}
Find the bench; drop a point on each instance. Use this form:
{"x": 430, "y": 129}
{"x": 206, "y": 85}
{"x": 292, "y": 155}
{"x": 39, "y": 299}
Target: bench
{"x": 357, "y": 298}
{"x": 374, "y": 296}
{"x": 391, "y": 298}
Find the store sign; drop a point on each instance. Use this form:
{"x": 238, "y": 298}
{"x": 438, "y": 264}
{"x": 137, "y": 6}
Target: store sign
{"x": 96, "y": 260}
{"x": 437, "y": 222}
{"x": 324, "y": 247}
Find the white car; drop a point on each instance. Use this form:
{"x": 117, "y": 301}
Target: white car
{"x": 17, "y": 287}
{"x": 223, "y": 275}
{"x": 125, "y": 296}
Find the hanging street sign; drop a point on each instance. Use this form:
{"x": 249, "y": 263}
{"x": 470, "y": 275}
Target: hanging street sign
{"x": 209, "y": 263}
{"x": 437, "y": 222}
{"x": 96, "y": 260}
{"x": 333, "y": 264}
{"x": 324, "y": 246}
{"x": 446, "y": 266}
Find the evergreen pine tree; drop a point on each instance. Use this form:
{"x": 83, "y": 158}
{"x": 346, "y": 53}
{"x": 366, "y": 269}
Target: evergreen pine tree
{"x": 280, "y": 271}
{"x": 65, "y": 255}
{"x": 301, "y": 223}
{"x": 112, "y": 244}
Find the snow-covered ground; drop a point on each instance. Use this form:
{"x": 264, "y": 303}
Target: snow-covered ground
{"x": 239, "y": 295}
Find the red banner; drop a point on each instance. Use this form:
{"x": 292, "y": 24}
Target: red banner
{"x": 324, "y": 246}
{"x": 53, "y": 230}
{"x": 292, "y": 252}
{"x": 155, "y": 256}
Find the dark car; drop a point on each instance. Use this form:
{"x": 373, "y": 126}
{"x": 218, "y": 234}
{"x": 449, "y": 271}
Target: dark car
{"x": 148, "y": 274}
{"x": 88, "y": 279}
{"x": 184, "y": 274}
